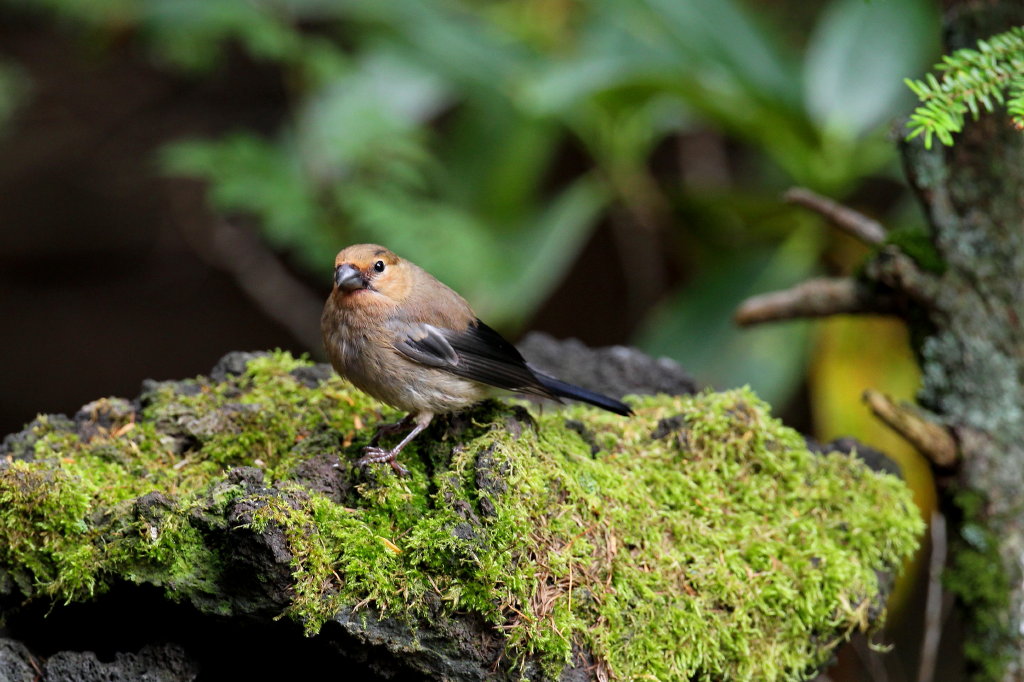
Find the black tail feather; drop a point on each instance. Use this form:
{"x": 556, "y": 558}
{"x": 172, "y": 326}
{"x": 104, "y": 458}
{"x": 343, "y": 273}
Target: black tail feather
{"x": 564, "y": 390}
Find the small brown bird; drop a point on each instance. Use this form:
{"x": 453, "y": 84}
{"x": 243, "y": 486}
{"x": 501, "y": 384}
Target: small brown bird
{"x": 409, "y": 341}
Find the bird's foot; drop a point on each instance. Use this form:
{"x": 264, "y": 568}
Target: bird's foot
{"x": 375, "y": 455}
{"x": 388, "y": 429}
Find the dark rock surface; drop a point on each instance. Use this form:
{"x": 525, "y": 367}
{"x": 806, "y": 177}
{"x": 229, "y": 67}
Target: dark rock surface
{"x": 614, "y": 371}
{"x": 152, "y": 663}
{"x": 108, "y": 640}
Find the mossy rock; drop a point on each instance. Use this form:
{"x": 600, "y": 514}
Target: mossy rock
{"x": 699, "y": 539}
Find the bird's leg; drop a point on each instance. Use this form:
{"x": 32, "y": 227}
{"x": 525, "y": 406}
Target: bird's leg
{"x": 387, "y": 429}
{"x": 373, "y": 454}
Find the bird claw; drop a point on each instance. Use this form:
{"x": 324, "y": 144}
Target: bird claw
{"x": 375, "y": 455}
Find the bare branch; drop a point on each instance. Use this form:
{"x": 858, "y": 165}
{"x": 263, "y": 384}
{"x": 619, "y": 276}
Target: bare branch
{"x": 266, "y": 281}
{"x": 899, "y": 272}
{"x": 256, "y": 269}
{"x": 932, "y": 440}
{"x": 815, "y": 298}
{"x": 933, "y": 602}
{"x": 846, "y": 219}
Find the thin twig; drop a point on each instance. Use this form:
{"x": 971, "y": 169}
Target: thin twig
{"x": 932, "y": 440}
{"x": 258, "y": 272}
{"x": 933, "y": 602}
{"x": 35, "y": 666}
{"x": 266, "y": 281}
{"x": 845, "y": 218}
{"x": 899, "y": 272}
{"x": 815, "y": 298}
{"x": 852, "y": 222}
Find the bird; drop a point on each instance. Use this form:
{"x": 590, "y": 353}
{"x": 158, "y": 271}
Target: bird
{"x": 408, "y": 340}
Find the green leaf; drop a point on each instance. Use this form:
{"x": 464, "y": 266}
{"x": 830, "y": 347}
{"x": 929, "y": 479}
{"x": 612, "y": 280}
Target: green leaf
{"x": 248, "y": 174}
{"x": 724, "y": 33}
{"x": 193, "y": 34}
{"x": 853, "y": 66}
{"x": 696, "y": 326}
{"x": 543, "y": 249}
{"x": 495, "y": 160}
{"x": 368, "y": 120}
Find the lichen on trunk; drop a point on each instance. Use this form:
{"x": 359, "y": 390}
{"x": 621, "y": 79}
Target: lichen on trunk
{"x": 971, "y": 350}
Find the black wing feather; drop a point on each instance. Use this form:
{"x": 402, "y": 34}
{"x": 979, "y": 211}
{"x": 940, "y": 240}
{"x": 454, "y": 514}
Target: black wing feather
{"x": 477, "y": 352}
{"x": 485, "y": 356}
{"x": 482, "y": 354}
{"x": 426, "y": 344}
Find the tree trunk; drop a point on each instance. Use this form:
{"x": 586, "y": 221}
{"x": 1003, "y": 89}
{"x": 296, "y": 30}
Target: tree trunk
{"x": 971, "y": 347}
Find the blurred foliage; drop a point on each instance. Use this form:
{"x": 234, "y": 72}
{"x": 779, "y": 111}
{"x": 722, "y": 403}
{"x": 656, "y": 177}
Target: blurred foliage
{"x": 972, "y": 80}
{"x": 843, "y": 361}
{"x": 770, "y": 355}
{"x": 449, "y": 130}
{"x": 14, "y": 86}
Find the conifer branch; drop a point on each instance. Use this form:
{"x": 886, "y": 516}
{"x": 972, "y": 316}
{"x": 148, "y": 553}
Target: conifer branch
{"x": 972, "y": 79}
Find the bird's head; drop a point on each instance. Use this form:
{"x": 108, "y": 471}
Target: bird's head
{"x": 368, "y": 271}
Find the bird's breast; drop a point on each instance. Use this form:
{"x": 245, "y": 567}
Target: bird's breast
{"x": 364, "y": 354}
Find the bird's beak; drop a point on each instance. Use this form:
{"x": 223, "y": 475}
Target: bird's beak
{"x": 348, "y": 277}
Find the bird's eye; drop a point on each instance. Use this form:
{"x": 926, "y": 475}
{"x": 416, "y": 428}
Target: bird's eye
{"x": 379, "y": 266}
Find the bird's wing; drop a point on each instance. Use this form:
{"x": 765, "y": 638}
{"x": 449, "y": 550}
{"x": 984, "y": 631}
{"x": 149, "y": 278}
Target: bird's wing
{"x": 477, "y": 352}
{"x": 424, "y": 343}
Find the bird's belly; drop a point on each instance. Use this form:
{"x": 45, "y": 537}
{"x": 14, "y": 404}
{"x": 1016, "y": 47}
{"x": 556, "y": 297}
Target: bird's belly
{"x": 427, "y": 389}
{"x": 393, "y": 379}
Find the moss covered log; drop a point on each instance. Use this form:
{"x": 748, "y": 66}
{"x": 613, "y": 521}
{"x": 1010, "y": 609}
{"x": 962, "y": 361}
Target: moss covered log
{"x": 700, "y": 539}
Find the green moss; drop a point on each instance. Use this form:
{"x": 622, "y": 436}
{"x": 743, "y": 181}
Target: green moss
{"x": 917, "y": 243}
{"x": 47, "y": 544}
{"x": 704, "y": 540}
{"x": 977, "y": 578}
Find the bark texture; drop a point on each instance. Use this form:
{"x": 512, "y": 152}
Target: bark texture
{"x": 971, "y": 345}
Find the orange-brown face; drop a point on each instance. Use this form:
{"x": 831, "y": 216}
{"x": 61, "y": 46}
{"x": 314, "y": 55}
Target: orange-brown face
{"x": 370, "y": 268}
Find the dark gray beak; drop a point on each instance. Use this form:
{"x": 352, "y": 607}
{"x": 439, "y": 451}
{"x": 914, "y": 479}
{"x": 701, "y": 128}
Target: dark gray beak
{"x": 349, "y": 278}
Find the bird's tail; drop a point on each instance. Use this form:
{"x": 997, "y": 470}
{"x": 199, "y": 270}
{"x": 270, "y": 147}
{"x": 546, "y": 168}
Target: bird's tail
{"x": 564, "y": 390}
